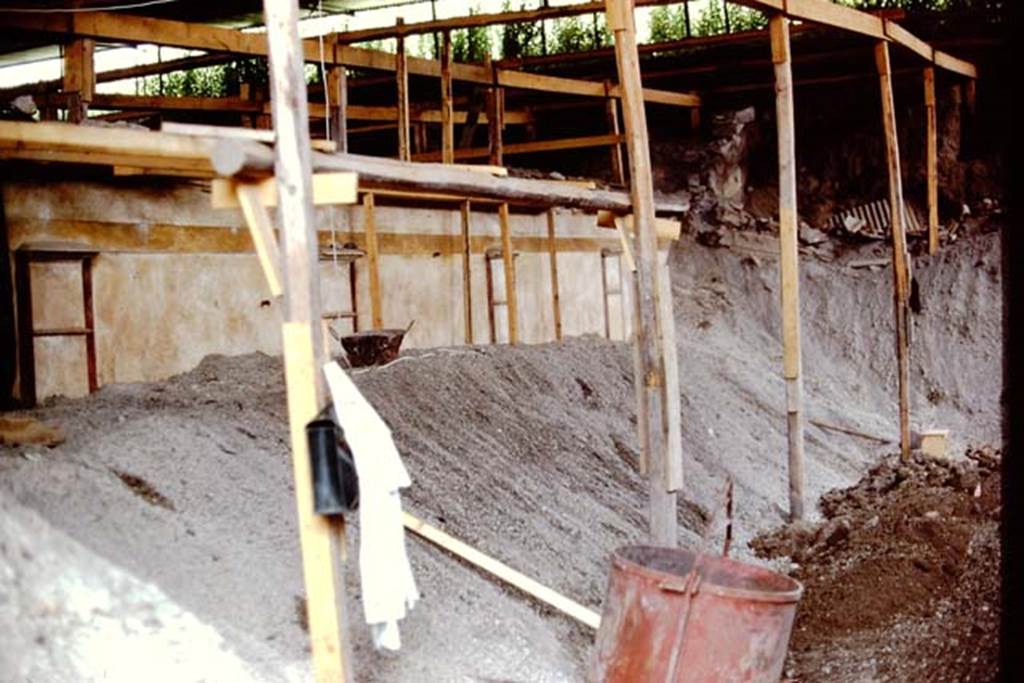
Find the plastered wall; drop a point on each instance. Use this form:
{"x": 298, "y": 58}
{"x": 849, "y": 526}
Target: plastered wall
{"x": 175, "y": 280}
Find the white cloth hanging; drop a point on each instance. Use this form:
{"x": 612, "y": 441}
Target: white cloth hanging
{"x": 389, "y": 589}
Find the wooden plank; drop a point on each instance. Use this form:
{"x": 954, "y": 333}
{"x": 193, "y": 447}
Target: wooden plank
{"x": 530, "y": 147}
{"x": 651, "y": 411}
{"x": 829, "y": 14}
{"x": 511, "y": 298}
{"x": 402, "y": 82}
{"x": 902, "y": 36}
{"x": 447, "y": 126}
{"x": 266, "y": 136}
{"x": 664, "y": 228}
{"x": 252, "y": 198}
{"x": 502, "y": 571}
{"x": 26, "y": 345}
{"x": 321, "y": 540}
{"x": 673, "y": 397}
{"x": 553, "y": 262}
{"x": 946, "y": 61}
{"x": 328, "y": 188}
{"x": 900, "y": 258}
{"x": 789, "y": 271}
{"x": 931, "y": 160}
{"x": 467, "y": 280}
{"x": 360, "y": 112}
{"x": 373, "y": 261}
{"x": 495, "y": 125}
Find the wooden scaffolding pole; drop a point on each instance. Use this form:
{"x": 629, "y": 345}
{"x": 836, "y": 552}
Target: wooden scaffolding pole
{"x": 447, "y": 124}
{"x": 508, "y": 259}
{"x": 900, "y": 258}
{"x": 932, "y": 160}
{"x": 373, "y": 261}
{"x": 495, "y": 123}
{"x": 467, "y": 280}
{"x": 792, "y": 363}
{"x": 553, "y": 257}
{"x": 321, "y": 540}
{"x": 402, "y": 79}
{"x": 615, "y": 151}
{"x": 337, "y": 91}
{"x": 79, "y": 81}
{"x": 652, "y": 415}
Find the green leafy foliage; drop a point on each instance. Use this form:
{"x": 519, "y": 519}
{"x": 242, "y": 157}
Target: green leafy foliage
{"x": 576, "y": 34}
{"x": 667, "y": 23}
{"x": 522, "y": 39}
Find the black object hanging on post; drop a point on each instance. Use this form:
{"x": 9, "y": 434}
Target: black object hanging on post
{"x": 335, "y": 482}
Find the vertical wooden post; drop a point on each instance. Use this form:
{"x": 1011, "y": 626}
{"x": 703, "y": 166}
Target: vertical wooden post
{"x": 447, "y": 116}
{"x": 79, "y": 77}
{"x": 508, "y": 258}
{"x": 932, "y": 160}
{"x": 553, "y": 254}
{"x": 611, "y": 105}
{"x": 653, "y": 435}
{"x": 89, "y": 318}
{"x": 372, "y": 261}
{"x": 792, "y": 362}
{"x": 337, "y": 88}
{"x": 900, "y": 258}
{"x": 322, "y": 541}
{"x": 467, "y": 289}
{"x": 402, "y": 78}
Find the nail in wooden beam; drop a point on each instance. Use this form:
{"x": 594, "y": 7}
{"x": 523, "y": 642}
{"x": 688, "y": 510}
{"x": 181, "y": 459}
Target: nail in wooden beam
{"x": 79, "y": 77}
{"x": 508, "y": 258}
{"x": 402, "y": 78}
{"x": 447, "y": 116}
{"x": 553, "y": 257}
{"x": 932, "y": 160}
{"x": 615, "y": 151}
{"x": 467, "y": 289}
{"x": 651, "y": 411}
{"x": 900, "y": 258}
{"x": 792, "y": 363}
{"x": 337, "y": 85}
{"x": 321, "y": 540}
{"x": 373, "y": 261}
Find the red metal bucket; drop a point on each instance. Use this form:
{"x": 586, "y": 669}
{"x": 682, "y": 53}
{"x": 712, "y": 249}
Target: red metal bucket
{"x": 671, "y": 615}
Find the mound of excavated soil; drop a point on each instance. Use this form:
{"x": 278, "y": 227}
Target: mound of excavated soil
{"x": 527, "y": 453}
{"x": 902, "y": 578}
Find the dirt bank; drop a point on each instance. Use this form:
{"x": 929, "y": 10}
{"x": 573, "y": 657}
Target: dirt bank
{"x": 527, "y": 453}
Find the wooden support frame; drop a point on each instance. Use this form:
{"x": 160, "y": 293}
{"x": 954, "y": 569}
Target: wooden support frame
{"x": 611, "y": 106}
{"x": 556, "y": 305}
{"x": 373, "y": 261}
{"x": 321, "y": 538}
{"x": 467, "y": 276}
{"x": 447, "y": 124}
{"x": 508, "y": 258}
{"x": 402, "y": 81}
{"x": 900, "y": 257}
{"x": 495, "y": 125}
{"x": 526, "y": 147}
{"x": 651, "y": 412}
{"x": 789, "y": 260}
{"x": 931, "y": 159}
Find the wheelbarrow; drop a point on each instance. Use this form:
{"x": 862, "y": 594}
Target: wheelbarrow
{"x": 373, "y": 347}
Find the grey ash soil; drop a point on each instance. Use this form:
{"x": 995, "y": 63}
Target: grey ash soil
{"x": 527, "y": 453}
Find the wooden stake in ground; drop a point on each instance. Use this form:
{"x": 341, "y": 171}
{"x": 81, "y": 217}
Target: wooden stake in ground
{"x": 556, "y": 304}
{"x": 373, "y": 261}
{"x": 508, "y": 257}
{"x": 792, "y": 363}
{"x": 932, "y": 160}
{"x": 653, "y": 432}
{"x": 321, "y": 540}
{"x": 467, "y": 289}
{"x": 900, "y": 258}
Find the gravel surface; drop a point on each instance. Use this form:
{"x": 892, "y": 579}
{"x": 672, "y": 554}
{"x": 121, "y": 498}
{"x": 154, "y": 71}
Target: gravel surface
{"x": 527, "y": 453}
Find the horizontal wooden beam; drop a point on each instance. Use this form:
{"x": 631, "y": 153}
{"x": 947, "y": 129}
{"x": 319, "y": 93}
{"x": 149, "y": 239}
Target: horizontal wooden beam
{"x": 234, "y": 157}
{"x": 135, "y": 29}
{"x": 529, "y": 147}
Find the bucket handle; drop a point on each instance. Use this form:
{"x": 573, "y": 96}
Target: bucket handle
{"x": 689, "y": 587}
